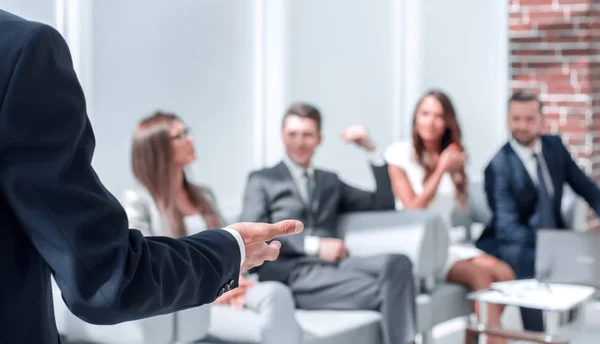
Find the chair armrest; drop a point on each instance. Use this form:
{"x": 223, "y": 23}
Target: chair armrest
{"x": 154, "y": 330}
{"x": 573, "y": 210}
{"x": 418, "y": 234}
{"x": 479, "y": 210}
{"x": 61, "y": 312}
{"x": 192, "y": 324}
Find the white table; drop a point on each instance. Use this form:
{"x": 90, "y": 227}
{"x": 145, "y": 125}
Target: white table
{"x": 550, "y": 298}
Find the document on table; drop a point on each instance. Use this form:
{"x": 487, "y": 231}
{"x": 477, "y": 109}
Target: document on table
{"x": 531, "y": 293}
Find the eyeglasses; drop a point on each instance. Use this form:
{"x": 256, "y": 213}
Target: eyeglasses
{"x": 182, "y": 135}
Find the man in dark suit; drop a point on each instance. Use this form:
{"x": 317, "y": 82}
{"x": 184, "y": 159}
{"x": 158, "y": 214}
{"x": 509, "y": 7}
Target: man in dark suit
{"x": 524, "y": 186}
{"x": 57, "y": 218}
{"x": 317, "y": 266}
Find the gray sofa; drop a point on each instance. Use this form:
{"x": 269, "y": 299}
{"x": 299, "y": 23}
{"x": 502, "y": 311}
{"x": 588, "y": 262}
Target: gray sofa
{"x": 418, "y": 234}
{"x": 422, "y": 237}
{"x": 185, "y": 326}
{"x": 415, "y": 233}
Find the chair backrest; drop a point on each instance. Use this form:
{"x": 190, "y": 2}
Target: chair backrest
{"x": 418, "y": 234}
{"x": 478, "y": 205}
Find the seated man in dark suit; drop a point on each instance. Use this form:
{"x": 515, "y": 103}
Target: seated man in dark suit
{"x": 524, "y": 185}
{"x": 317, "y": 267}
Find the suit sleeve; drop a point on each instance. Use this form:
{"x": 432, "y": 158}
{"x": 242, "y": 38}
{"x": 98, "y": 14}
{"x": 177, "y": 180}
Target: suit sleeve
{"x": 106, "y": 272}
{"x": 579, "y": 181}
{"x": 354, "y": 199}
{"x": 505, "y": 221}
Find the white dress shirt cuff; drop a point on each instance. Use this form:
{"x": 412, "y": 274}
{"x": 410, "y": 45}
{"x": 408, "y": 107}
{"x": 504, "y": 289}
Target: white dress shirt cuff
{"x": 240, "y": 242}
{"x": 311, "y": 245}
{"x": 375, "y": 157}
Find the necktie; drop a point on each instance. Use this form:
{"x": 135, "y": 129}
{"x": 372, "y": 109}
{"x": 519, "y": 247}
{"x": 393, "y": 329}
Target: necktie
{"x": 310, "y": 188}
{"x": 545, "y": 212}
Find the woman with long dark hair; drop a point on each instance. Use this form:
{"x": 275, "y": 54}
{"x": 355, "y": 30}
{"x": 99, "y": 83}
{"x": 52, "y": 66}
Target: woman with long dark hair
{"x": 166, "y": 203}
{"x": 428, "y": 171}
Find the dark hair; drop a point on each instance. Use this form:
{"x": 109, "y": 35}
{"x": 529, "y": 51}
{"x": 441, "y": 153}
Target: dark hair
{"x": 303, "y": 110}
{"x": 151, "y": 161}
{"x": 452, "y": 135}
{"x": 524, "y": 96}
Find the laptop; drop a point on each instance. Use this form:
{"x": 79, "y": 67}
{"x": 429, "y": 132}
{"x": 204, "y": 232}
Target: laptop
{"x": 568, "y": 257}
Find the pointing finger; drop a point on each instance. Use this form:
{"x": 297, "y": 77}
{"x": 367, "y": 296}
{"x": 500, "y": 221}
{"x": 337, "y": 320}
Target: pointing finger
{"x": 266, "y": 232}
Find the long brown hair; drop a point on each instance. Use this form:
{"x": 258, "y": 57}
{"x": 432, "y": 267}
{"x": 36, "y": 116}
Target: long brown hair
{"x": 452, "y": 135}
{"x": 152, "y": 162}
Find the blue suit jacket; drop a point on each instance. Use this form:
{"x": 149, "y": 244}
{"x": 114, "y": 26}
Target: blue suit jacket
{"x": 57, "y": 218}
{"x": 512, "y": 197}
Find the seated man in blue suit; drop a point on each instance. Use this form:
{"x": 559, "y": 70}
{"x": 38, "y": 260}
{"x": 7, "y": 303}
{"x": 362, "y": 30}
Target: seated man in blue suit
{"x": 524, "y": 185}
{"x": 57, "y": 218}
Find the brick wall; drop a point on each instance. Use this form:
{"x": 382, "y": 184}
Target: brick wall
{"x": 555, "y": 51}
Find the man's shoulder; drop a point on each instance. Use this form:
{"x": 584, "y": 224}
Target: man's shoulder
{"x": 7, "y": 18}
{"x": 18, "y": 29}
{"x": 267, "y": 173}
{"x": 553, "y": 140}
{"x": 499, "y": 159}
{"x": 20, "y": 37}
{"x": 326, "y": 173}
{"x": 16, "y": 34}
{"x": 277, "y": 171}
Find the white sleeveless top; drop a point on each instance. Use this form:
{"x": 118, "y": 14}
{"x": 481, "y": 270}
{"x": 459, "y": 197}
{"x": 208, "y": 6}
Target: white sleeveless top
{"x": 402, "y": 154}
{"x": 444, "y": 203}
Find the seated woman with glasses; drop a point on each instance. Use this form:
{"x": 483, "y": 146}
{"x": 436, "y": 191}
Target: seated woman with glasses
{"x": 166, "y": 203}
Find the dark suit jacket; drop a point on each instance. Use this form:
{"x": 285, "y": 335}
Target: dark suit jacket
{"x": 512, "y": 197}
{"x": 271, "y": 196}
{"x": 57, "y": 218}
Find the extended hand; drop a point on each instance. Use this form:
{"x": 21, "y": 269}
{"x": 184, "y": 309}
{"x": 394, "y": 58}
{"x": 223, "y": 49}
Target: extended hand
{"x": 236, "y": 298}
{"x": 358, "y": 134}
{"x": 255, "y": 236}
